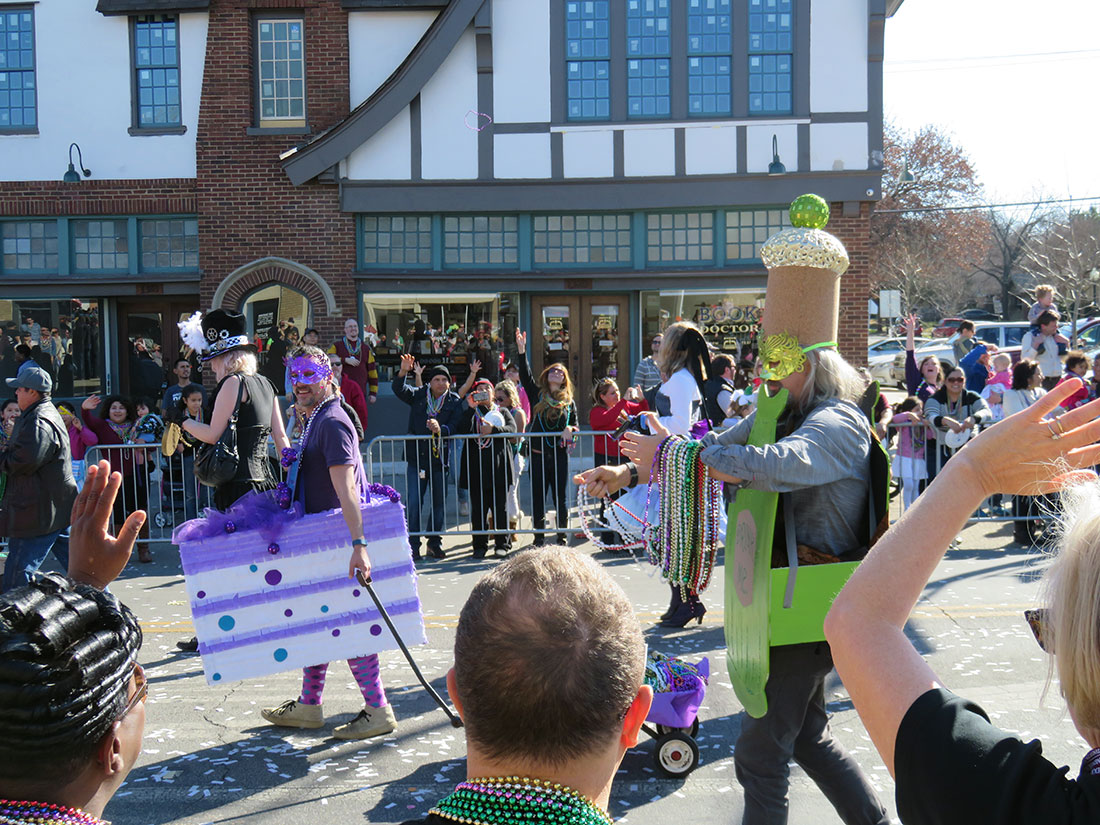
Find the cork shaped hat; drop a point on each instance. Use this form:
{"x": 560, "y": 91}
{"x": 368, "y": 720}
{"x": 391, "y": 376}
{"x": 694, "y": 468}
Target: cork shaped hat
{"x": 802, "y": 304}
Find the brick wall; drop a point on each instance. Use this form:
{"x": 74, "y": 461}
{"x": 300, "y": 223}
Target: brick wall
{"x": 855, "y": 286}
{"x": 247, "y": 207}
{"x": 55, "y": 199}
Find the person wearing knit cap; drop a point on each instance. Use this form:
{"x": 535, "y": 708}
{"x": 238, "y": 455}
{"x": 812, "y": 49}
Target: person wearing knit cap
{"x": 433, "y": 412}
{"x": 486, "y": 469}
{"x": 808, "y": 479}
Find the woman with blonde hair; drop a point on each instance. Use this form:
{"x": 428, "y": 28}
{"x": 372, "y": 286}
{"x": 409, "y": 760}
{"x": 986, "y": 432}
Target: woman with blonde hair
{"x": 229, "y": 352}
{"x": 554, "y": 413}
{"x": 949, "y": 762}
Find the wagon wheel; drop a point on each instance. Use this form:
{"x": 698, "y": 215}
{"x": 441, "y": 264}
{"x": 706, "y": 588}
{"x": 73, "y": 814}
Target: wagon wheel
{"x": 676, "y": 754}
{"x": 692, "y": 731}
{"x": 162, "y": 520}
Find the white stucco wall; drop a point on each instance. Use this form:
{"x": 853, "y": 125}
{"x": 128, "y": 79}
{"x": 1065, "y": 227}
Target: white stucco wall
{"x": 387, "y": 155}
{"x": 838, "y": 56}
{"x": 838, "y": 146}
{"x": 758, "y": 147}
{"x": 521, "y": 61}
{"x": 588, "y": 154}
{"x": 82, "y": 68}
{"x": 449, "y": 147}
{"x": 378, "y": 41}
{"x": 649, "y": 152}
{"x": 521, "y": 156}
{"x": 710, "y": 150}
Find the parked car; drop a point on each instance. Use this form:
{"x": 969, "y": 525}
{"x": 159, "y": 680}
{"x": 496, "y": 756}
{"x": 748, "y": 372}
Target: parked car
{"x": 1088, "y": 333}
{"x": 880, "y": 356}
{"x": 1005, "y": 335}
{"x": 979, "y": 315}
{"x": 947, "y": 327}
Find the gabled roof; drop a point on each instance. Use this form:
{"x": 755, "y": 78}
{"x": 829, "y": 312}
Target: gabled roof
{"x": 115, "y": 7}
{"x": 892, "y": 6}
{"x": 307, "y": 161}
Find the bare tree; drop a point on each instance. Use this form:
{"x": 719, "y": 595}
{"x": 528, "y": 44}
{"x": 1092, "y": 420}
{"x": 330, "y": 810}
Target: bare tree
{"x": 1011, "y": 234}
{"x": 1066, "y": 255}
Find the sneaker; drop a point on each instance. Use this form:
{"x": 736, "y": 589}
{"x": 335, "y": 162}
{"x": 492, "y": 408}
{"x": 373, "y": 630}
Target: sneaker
{"x": 294, "y": 714}
{"x": 189, "y": 645}
{"x": 437, "y": 552}
{"x": 370, "y": 722}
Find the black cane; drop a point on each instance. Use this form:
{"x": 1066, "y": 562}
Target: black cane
{"x": 366, "y": 582}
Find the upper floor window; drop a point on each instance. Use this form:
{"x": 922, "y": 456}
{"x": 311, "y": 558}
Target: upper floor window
{"x": 587, "y": 48}
{"x": 771, "y": 45}
{"x": 169, "y": 243}
{"x": 649, "y": 54}
{"x": 18, "y": 112}
{"x": 280, "y": 72}
{"x": 29, "y": 246}
{"x": 101, "y": 245}
{"x": 156, "y": 72}
{"x": 709, "y": 49}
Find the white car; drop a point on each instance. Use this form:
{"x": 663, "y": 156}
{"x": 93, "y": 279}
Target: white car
{"x": 880, "y": 357}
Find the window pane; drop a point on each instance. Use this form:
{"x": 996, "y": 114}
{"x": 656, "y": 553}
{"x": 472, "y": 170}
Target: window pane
{"x": 28, "y": 246}
{"x": 594, "y": 241}
{"x": 587, "y": 69}
{"x": 481, "y": 239}
{"x": 281, "y": 56}
{"x": 396, "y": 240}
{"x": 156, "y": 72}
{"x": 106, "y": 244}
{"x": 17, "y": 108}
{"x": 684, "y": 237}
{"x": 747, "y": 230}
{"x": 771, "y": 27}
{"x": 169, "y": 244}
{"x": 648, "y": 47}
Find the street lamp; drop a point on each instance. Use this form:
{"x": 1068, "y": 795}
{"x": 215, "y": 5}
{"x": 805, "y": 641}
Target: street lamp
{"x": 776, "y": 167}
{"x": 906, "y": 175}
{"x": 72, "y": 176}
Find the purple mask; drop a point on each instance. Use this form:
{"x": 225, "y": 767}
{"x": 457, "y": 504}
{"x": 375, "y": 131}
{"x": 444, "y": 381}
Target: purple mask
{"x": 305, "y": 370}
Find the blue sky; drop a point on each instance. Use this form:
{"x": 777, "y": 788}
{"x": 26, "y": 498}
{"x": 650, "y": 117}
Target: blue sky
{"x": 1013, "y": 81}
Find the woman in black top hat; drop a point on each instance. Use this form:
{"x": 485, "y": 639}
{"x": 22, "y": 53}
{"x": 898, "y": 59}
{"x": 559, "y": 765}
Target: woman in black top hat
{"x": 225, "y": 346}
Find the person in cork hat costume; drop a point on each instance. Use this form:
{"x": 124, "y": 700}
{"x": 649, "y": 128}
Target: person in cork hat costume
{"x": 801, "y": 465}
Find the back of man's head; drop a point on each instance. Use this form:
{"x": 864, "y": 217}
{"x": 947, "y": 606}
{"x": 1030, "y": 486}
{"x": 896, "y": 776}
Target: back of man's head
{"x": 966, "y": 326}
{"x": 548, "y": 658}
{"x": 67, "y": 653}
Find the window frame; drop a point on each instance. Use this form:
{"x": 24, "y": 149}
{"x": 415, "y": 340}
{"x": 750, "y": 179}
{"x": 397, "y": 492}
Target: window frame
{"x": 136, "y": 127}
{"x": 23, "y": 129}
{"x": 276, "y": 125}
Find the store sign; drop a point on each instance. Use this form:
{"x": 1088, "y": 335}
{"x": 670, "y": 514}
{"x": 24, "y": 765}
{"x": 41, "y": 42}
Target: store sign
{"x": 603, "y": 322}
{"x": 724, "y": 319}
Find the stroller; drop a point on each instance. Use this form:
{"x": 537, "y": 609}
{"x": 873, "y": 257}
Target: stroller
{"x": 678, "y": 690}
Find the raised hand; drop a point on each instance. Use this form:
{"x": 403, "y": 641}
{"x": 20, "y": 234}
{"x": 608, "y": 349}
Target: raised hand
{"x": 90, "y": 403}
{"x": 95, "y": 556}
{"x": 521, "y": 342}
{"x": 475, "y": 367}
{"x": 407, "y": 363}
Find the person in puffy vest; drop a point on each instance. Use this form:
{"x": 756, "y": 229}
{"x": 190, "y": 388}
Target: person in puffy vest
{"x": 719, "y": 390}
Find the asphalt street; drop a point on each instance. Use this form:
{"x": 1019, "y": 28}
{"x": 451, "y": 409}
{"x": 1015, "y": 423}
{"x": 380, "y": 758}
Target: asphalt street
{"x": 209, "y": 757}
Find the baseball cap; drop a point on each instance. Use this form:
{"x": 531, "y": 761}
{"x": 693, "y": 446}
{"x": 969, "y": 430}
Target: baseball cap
{"x": 32, "y": 378}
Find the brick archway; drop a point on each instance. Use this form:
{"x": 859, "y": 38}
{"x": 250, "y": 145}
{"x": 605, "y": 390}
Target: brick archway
{"x": 245, "y": 280}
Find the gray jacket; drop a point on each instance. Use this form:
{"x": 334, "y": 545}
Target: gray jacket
{"x": 823, "y": 464}
{"x": 40, "y": 491}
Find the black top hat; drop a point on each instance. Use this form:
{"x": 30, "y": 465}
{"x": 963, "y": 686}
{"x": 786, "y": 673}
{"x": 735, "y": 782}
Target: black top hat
{"x": 224, "y": 332}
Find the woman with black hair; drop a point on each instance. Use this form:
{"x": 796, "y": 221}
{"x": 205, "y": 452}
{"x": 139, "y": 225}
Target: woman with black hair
{"x": 554, "y": 412}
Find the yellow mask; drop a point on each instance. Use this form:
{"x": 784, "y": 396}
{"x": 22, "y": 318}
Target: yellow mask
{"x": 781, "y": 356}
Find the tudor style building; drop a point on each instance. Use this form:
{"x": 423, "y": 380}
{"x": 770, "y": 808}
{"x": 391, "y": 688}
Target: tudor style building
{"x": 589, "y": 170}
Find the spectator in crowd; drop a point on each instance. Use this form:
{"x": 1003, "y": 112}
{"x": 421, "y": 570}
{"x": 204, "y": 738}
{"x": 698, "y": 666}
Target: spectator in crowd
{"x": 149, "y": 427}
{"x": 1077, "y": 366}
{"x": 955, "y": 413}
{"x": 181, "y": 452}
{"x": 909, "y": 464}
{"x": 506, "y": 396}
{"x": 1002, "y": 369}
{"x": 554, "y": 413}
{"x": 976, "y": 366}
{"x": 609, "y": 410}
{"x": 486, "y": 469}
{"x": 350, "y": 392}
{"x": 949, "y": 763}
{"x": 311, "y": 337}
{"x": 24, "y": 357}
{"x": 1043, "y": 346}
{"x": 548, "y": 679}
{"x": 327, "y": 473}
{"x": 80, "y": 439}
{"x": 647, "y": 375}
{"x": 1044, "y": 302}
{"x": 40, "y": 490}
{"x": 146, "y": 375}
{"x": 1027, "y": 389}
{"x": 511, "y": 373}
{"x": 9, "y": 411}
{"x": 1094, "y": 381}
{"x": 182, "y": 370}
{"x": 274, "y": 367}
{"x": 112, "y": 420}
{"x": 963, "y": 340}
{"x": 720, "y": 391}
{"x": 359, "y": 362}
{"x": 433, "y": 411}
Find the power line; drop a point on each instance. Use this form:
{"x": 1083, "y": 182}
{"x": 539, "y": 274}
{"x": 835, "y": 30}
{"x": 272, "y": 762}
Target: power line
{"x": 992, "y": 57}
{"x": 961, "y": 64}
{"x": 976, "y": 207}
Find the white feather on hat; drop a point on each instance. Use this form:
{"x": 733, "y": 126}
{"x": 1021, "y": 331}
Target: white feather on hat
{"x": 191, "y": 333}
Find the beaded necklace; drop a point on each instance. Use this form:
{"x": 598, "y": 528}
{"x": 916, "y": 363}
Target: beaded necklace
{"x": 353, "y": 353}
{"x": 17, "y": 812}
{"x": 291, "y": 458}
{"x": 512, "y": 800}
{"x": 434, "y": 406}
{"x": 121, "y": 430}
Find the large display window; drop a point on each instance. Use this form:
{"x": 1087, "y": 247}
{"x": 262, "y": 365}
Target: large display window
{"x": 448, "y": 329}
{"x": 65, "y": 339}
{"x": 728, "y": 319}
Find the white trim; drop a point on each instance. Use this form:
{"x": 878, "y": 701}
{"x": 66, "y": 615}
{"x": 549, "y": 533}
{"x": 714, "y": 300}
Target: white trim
{"x": 665, "y": 124}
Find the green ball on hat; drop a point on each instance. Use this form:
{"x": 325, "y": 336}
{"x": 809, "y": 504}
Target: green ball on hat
{"x": 809, "y": 212}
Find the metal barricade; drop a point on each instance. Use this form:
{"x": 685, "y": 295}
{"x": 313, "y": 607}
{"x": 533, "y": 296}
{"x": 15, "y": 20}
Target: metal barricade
{"x": 165, "y": 487}
{"x": 502, "y": 499}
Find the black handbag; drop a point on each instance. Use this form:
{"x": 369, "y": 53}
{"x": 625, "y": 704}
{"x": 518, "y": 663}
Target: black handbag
{"x": 217, "y": 463}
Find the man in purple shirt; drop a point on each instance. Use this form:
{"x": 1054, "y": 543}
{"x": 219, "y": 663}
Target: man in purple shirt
{"x": 326, "y": 473}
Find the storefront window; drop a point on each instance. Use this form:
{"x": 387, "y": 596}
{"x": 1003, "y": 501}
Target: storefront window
{"x": 277, "y": 318}
{"x": 442, "y": 329}
{"x": 728, "y": 319}
{"x": 65, "y": 337}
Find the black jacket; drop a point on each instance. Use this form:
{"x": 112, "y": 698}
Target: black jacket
{"x": 489, "y": 465}
{"x": 40, "y": 491}
{"x": 417, "y": 399}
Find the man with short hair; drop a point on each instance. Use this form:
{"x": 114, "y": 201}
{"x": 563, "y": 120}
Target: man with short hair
{"x": 352, "y": 395}
{"x": 646, "y": 374}
{"x": 359, "y": 361}
{"x": 1043, "y": 346}
{"x": 434, "y": 411}
{"x": 182, "y": 371}
{"x": 964, "y": 340}
{"x": 718, "y": 390}
{"x": 548, "y": 679}
{"x": 40, "y": 489}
